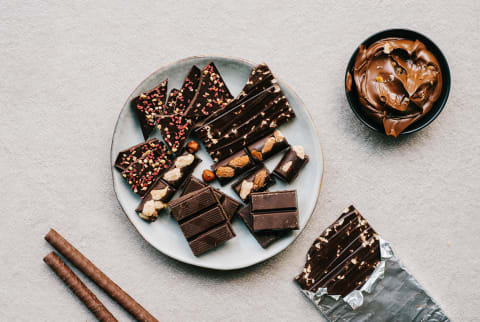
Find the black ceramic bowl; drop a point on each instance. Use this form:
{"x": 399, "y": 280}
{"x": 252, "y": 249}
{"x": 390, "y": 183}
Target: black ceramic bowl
{"x": 352, "y": 96}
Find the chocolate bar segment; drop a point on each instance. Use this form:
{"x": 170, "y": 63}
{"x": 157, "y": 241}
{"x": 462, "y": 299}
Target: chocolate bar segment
{"x": 232, "y": 167}
{"x": 268, "y": 146}
{"x": 155, "y": 200}
{"x": 202, "y": 220}
{"x": 211, "y": 95}
{"x": 256, "y": 181}
{"x": 188, "y": 90}
{"x": 274, "y": 210}
{"x": 230, "y": 205}
{"x": 181, "y": 169}
{"x": 292, "y": 162}
{"x": 130, "y": 155}
{"x": 264, "y": 238}
{"x": 142, "y": 173}
{"x": 148, "y": 106}
{"x": 343, "y": 257}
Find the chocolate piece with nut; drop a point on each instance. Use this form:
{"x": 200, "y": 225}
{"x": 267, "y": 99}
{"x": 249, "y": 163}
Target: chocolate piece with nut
{"x": 268, "y": 146}
{"x": 155, "y": 200}
{"x": 256, "y": 181}
{"x": 181, "y": 169}
{"x": 292, "y": 162}
{"x": 148, "y": 106}
{"x": 232, "y": 167}
{"x": 211, "y": 95}
{"x": 343, "y": 257}
{"x": 130, "y": 155}
{"x": 142, "y": 173}
{"x": 264, "y": 238}
{"x": 202, "y": 219}
{"x": 274, "y": 210}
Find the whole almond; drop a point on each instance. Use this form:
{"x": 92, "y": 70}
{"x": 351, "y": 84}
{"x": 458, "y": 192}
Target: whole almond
{"x": 259, "y": 179}
{"x": 268, "y": 145}
{"x": 225, "y": 172}
{"x": 257, "y": 155}
{"x": 239, "y": 162}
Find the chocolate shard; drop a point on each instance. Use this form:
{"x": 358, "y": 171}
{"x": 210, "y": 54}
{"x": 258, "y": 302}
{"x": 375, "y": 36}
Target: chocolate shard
{"x": 181, "y": 169}
{"x": 143, "y": 173}
{"x": 130, "y": 155}
{"x": 292, "y": 162}
{"x": 264, "y": 238}
{"x": 211, "y": 95}
{"x": 230, "y": 205}
{"x": 188, "y": 90}
{"x": 148, "y": 106}
{"x": 268, "y": 146}
{"x": 155, "y": 200}
{"x": 232, "y": 167}
{"x": 343, "y": 257}
{"x": 170, "y": 105}
{"x": 274, "y": 210}
{"x": 256, "y": 180}
{"x": 202, "y": 220}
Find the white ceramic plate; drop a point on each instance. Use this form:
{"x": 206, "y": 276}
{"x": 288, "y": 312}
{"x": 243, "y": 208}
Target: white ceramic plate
{"x": 243, "y": 250}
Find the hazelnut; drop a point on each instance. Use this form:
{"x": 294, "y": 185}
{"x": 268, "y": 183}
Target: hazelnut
{"x": 192, "y": 146}
{"x": 208, "y": 175}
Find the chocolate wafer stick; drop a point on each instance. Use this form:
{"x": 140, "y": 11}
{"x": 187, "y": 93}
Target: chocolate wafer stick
{"x": 77, "y": 286}
{"x": 96, "y": 275}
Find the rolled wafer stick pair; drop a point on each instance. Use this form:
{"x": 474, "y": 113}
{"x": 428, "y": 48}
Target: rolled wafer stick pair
{"x": 96, "y": 275}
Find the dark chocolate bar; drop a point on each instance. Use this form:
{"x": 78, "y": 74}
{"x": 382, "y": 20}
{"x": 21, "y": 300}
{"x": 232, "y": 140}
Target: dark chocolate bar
{"x": 268, "y": 146}
{"x": 142, "y": 173}
{"x": 232, "y": 167}
{"x": 155, "y": 200}
{"x": 181, "y": 169}
{"x": 274, "y": 210}
{"x": 170, "y": 105}
{"x": 343, "y": 257}
{"x": 229, "y": 204}
{"x": 264, "y": 238}
{"x": 256, "y": 181}
{"x": 130, "y": 155}
{"x": 211, "y": 95}
{"x": 202, "y": 220}
{"x": 188, "y": 90}
{"x": 175, "y": 129}
{"x": 291, "y": 164}
{"x": 148, "y": 106}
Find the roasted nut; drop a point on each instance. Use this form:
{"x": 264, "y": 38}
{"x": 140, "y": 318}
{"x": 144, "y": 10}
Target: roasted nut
{"x": 267, "y": 147}
{"x": 208, "y": 175}
{"x": 246, "y": 189}
{"x": 239, "y": 162}
{"x": 287, "y": 166}
{"x": 257, "y": 155}
{"x": 259, "y": 179}
{"x": 192, "y": 146}
{"x": 225, "y": 172}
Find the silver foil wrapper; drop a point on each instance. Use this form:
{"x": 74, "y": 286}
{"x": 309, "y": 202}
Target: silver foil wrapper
{"x": 390, "y": 294}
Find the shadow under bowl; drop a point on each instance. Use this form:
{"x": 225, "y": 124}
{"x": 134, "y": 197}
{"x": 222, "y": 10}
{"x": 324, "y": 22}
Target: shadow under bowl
{"x": 352, "y": 95}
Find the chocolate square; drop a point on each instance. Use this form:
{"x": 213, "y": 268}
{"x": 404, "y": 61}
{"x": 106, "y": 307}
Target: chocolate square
{"x": 274, "y": 210}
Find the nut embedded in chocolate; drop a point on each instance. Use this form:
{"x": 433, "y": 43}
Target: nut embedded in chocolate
{"x": 233, "y": 166}
{"x": 292, "y": 162}
{"x": 155, "y": 200}
{"x": 182, "y": 167}
{"x": 268, "y": 146}
{"x": 256, "y": 181}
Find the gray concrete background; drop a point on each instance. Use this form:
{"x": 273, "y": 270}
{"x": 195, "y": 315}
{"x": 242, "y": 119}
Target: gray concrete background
{"x": 66, "y": 71}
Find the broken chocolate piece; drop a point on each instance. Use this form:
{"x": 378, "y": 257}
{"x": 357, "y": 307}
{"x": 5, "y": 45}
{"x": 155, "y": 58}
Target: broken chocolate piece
{"x": 155, "y": 200}
{"x": 181, "y": 169}
{"x": 268, "y": 146}
{"x": 343, "y": 257}
{"x": 148, "y": 106}
{"x": 232, "y": 167}
{"x": 291, "y": 164}
{"x": 264, "y": 238}
{"x": 175, "y": 128}
{"x": 211, "y": 95}
{"x": 202, "y": 220}
{"x": 170, "y": 105}
{"x": 258, "y": 180}
{"x": 130, "y": 155}
{"x": 274, "y": 210}
{"x": 229, "y": 204}
{"x": 188, "y": 90}
{"x": 142, "y": 173}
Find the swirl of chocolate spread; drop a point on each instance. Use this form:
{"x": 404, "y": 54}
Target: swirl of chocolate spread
{"x": 397, "y": 80}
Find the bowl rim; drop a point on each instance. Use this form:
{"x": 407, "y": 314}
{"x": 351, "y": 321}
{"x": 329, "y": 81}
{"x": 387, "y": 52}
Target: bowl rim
{"x": 442, "y": 101}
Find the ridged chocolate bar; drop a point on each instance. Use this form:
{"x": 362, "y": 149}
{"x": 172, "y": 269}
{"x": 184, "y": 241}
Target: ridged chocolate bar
{"x": 230, "y": 205}
{"x": 343, "y": 257}
{"x": 155, "y": 200}
{"x": 268, "y": 146}
{"x": 148, "y": 106}
{"x": 202, "y": 220}
{"x": 257, "y": 180}
{"x": 292, "y": 162}
{"x": 230, "y": 168}
{"x": 274, "y": 210}
{"x": 264, "y": 238}
{"x": 181, "y": 169}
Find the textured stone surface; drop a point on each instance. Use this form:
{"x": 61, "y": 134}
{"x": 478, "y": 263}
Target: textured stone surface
{"x": 66, "y": 71}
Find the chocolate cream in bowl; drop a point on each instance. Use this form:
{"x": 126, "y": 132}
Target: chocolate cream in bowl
{"x": 397, "y": 80}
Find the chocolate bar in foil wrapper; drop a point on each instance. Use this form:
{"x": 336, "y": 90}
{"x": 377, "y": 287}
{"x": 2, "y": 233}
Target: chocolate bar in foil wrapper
{"x": 352, "y": 274}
